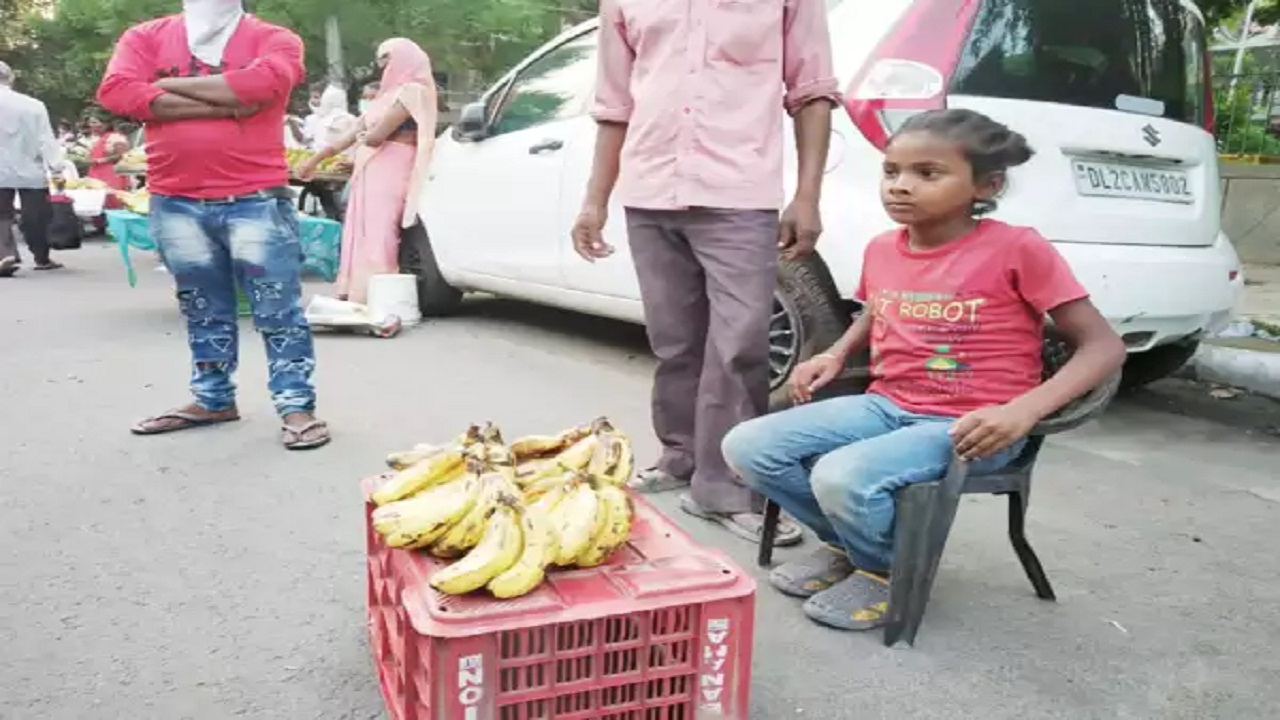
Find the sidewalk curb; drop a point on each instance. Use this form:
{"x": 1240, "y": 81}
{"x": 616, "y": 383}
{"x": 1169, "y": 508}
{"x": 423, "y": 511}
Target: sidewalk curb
{"x": 1252, "y": 370}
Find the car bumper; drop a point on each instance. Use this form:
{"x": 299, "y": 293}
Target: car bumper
{"x": 1159, "y": 295}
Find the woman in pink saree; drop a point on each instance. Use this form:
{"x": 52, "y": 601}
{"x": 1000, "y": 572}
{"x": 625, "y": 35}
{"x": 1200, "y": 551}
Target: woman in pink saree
{"x": 394, "y": 139}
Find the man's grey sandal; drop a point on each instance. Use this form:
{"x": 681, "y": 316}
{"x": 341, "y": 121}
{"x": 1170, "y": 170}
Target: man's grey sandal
{"x": 747, "y": 526}
{"x": 815, "y": 572}
{"x": 653, "y": 480}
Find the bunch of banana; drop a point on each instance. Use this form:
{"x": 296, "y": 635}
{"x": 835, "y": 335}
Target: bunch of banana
{"x": 336, "y": 165}
{"x": 296, "y": 156}
{"x": 134, "y": 158}
{"x": 509, "y": 512}
{"x": 426, "y": 468}
{"x": 138, "y": 201}
{"x": 501, "y": 546}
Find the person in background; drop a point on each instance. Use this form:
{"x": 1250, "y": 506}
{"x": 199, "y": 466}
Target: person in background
{"x": 66, "y": 134}
{"x": 393, "y": 142}
{"x": 310, "y": 123}
{"x": 295, "y": 137}
{"x": 367, "y": 95}
{"x": 29, "y": 155}
{"x": 107, "y": 150}
{"x": 335, "y": 121}
{"x": 212, "y": 85}
{"x": 690, "y": 126}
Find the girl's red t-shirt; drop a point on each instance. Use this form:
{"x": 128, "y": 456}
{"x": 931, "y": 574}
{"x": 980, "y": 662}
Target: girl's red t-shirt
{"x": 960, "y": 327}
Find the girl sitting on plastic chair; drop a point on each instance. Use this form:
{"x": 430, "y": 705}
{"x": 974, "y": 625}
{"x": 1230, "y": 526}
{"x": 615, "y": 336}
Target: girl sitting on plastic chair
{"x": 953, "y": 312}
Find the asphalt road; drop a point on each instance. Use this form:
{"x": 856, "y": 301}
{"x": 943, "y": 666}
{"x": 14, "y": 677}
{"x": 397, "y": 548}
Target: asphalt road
{"x": 212, "y": 575}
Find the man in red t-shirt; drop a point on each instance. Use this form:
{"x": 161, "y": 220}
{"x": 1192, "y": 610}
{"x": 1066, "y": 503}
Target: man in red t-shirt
{"x": 212, "y": 85}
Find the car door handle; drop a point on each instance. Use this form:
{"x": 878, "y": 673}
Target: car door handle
{"x": 547, "y": 145}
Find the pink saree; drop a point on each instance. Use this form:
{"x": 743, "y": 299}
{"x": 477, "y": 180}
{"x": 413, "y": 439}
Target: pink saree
{"x": 386, "y": 179}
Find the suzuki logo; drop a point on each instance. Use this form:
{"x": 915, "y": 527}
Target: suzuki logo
{"x": 1151, "y": 135}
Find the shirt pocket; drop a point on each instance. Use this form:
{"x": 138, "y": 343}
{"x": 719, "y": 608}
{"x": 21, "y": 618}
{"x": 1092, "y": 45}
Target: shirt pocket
{"x": 745, "y": 32}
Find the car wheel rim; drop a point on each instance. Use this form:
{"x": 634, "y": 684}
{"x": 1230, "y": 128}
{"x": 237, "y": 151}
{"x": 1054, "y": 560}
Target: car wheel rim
{"x": 784, "y": 341}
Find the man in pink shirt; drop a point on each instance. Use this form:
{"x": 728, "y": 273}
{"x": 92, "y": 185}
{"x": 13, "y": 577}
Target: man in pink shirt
{"x": 689, "y": 103}
{"x": 212, "y": 86}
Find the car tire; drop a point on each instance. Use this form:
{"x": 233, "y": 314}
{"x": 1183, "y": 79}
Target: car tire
{"x": 435, "y": 295}
{"x": 808, "y": 317}
{"x": 1159, "y": 362}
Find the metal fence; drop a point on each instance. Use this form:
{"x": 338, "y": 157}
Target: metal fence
{"x": 1247, "y": 115}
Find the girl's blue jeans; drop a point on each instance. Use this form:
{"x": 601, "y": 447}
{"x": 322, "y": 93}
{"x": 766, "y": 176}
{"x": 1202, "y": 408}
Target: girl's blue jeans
{"x": 866, "y": 448}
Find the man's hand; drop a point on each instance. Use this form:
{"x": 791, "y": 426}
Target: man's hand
{"x": 307, "y": 169}
{"x": 985, "y": 432}
{"x": 811, "y": 376}
{"x": 588, "y": 233}
{"x": 800, "y": 228}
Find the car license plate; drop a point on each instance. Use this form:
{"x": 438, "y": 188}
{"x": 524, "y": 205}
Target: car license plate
{"x": 1131, "y": 181}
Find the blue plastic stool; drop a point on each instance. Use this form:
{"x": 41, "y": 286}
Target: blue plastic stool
{"x": 321, "y": 240}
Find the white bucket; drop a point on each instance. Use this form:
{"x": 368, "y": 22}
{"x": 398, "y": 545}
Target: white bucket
{"x": 395, "y": 295}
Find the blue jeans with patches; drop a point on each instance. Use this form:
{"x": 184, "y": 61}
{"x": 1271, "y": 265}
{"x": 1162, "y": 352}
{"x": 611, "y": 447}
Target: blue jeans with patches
{"x": 867, "y": 448}
{"x": 210, "y": 247}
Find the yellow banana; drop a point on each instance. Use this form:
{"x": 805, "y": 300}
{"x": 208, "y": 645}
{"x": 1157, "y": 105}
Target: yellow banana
{"x": 530, "y": 569}
{"x": 423, "y": 519}
{"x": 406, "y": 458}
{"x": 553, "y": 497}
{"x": 420, "y": 476}
{"x": 468, "y": 531}
{"x": 607, "y": 453}
{"x": 537, "y": 446}
{"x": 574, "y": 520}
{"x": 538, "y": 488}
{"x": 527, "y": 469}
{"x": 491, "y": 435}
{"x": 498, "y": 550}
{"x": 620, "y": 473}
{"x": 578, "y": 454}
{"x": 613, "y": 533}
{"x": 573, "y": 459}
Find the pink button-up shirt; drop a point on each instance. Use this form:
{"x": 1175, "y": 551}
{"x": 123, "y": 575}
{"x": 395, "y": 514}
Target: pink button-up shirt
{"x": 701, "y": 85}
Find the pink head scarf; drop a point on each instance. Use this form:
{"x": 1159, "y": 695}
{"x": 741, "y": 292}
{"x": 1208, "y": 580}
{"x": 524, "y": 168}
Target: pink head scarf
{"x": 406, "y": 63}
{"x": 407, "y": 79}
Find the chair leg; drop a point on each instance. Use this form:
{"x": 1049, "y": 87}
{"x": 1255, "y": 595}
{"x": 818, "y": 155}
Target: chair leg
{"x": 910, "y": 548}
{"x": 926, "y": 512}
{"x": 768, "y": 532}
{"x": 1027, "y": 556}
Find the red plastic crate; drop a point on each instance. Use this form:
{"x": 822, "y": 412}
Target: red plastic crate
{"x": 663, "y": 631}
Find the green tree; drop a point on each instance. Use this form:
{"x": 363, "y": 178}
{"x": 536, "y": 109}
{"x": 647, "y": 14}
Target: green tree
{"x": 59, "y": 56}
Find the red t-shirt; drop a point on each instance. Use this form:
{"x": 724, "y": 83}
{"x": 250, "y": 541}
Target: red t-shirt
{"x": 216, "y": 157}
{"x": 960, "y": 327}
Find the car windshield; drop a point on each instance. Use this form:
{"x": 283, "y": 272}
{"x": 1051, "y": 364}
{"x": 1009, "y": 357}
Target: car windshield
{"x": 1138, "y": 55}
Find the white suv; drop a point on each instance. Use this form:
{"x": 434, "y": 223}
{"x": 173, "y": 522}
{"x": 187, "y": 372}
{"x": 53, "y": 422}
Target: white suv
{"x": 1115, "y": 98}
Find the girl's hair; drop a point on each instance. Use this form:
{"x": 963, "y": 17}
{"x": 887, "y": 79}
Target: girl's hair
{"x": 990, "y": 147}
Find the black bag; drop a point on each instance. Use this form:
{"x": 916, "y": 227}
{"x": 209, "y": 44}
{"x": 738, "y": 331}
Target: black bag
{"x": 65, "y": 228}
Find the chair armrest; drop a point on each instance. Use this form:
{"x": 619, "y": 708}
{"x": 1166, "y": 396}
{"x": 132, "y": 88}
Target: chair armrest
{"x": 1081, "y": 410}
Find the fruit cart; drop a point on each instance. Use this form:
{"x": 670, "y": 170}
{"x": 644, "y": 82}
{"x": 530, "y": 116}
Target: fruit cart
{"x": 326, "y": 188}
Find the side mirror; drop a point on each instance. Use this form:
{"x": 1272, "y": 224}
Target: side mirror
{"x": 472, "y": 123}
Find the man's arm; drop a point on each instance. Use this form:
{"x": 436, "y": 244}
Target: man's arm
{"x": 811, "y": 89}
{"x": 613, "y": 103}
{"x": 51, "y": 152}
{"x": 269, "y": 78}
{"x": 127, "y": 90}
